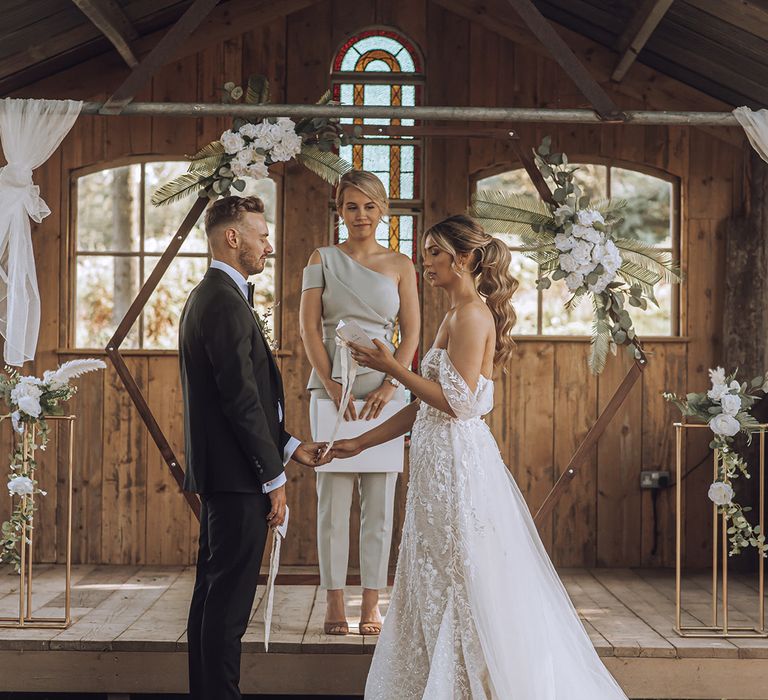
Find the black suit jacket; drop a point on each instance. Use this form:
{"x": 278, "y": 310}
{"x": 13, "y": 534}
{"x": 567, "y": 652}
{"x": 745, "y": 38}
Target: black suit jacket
{"x": 231, "y": 387}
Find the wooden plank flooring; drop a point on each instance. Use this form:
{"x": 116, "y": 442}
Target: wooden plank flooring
{"x": 129, "y": 635}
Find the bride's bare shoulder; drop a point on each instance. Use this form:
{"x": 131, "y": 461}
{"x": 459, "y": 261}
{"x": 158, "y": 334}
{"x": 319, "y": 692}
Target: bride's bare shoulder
{"x": 475, "y": 316}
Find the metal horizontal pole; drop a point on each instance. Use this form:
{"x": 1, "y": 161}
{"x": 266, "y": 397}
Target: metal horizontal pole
{"x": 488, "y": 114}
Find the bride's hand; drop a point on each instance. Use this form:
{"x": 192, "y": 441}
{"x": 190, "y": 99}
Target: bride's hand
{"x": 379, "y": 358}
{"x": 342, "y": 449}
{"x": 376, "y": 400}
{"x": 334, "y": 392}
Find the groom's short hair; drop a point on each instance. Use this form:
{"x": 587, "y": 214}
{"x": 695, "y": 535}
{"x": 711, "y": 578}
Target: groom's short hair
{"x": 228, "y": 210}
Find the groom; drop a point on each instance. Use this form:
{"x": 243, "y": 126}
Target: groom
{"x": 236, "y": 443}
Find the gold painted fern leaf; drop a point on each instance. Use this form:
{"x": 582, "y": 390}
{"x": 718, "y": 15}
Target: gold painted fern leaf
{"x": 177, "y": 189}
{"x": 646, "y": 256}
{"x": 324, "y": 164}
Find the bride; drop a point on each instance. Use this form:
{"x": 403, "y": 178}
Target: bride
{"x": 477, "y": 609}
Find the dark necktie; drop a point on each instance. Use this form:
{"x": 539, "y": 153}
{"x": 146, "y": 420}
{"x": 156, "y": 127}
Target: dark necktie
{"x": 250, "y": 293}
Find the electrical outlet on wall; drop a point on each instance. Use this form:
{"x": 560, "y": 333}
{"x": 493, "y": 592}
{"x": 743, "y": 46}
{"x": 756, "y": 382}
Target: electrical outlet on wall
{"x": 653, "y": 479}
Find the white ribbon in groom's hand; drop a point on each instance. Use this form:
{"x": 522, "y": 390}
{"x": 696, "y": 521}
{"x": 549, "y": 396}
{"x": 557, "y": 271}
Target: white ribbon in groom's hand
{"x": 278, "y": 534}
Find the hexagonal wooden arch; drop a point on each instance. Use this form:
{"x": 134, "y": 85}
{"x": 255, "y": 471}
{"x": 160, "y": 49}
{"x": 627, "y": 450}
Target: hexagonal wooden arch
{"x": 145, "y": 412}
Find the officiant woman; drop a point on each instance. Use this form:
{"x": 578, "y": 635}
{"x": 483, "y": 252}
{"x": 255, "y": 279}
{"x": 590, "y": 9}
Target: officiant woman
{"x": 361, "y": 280}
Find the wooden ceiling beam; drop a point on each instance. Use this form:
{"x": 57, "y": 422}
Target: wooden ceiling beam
{"x": 637, "y": 33}
{"x": 111, "y": 21}
{"x": 749, "y": 15}
{"x": 568, "y": 61}
{"x": 161, "y": 54}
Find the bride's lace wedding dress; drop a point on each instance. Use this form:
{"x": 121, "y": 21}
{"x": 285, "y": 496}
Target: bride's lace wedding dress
{"x": 477, "y": 609}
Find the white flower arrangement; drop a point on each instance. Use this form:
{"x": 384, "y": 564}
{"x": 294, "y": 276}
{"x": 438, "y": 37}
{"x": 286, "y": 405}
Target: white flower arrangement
{"x": 30, "y": 400}
{"x": 255, "y": 147}
{"x": 725, "y": 409}
{"x": 573, "y": 240}
{"x": 249, "y": 148}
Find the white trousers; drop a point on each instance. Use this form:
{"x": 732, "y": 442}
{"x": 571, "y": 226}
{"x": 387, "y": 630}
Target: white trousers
{"x": 377, "y": 505}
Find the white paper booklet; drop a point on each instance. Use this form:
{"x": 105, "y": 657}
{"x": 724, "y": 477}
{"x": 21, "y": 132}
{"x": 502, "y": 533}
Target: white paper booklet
{"x": 351, "y": 332}
{"x": 382, "y": 458}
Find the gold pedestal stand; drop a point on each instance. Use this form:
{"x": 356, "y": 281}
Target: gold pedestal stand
{"x": 25, "y": 617}
{"x": 719, "y": 627}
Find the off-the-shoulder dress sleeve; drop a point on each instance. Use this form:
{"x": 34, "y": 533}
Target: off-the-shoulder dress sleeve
{"x": 313, "y": 277}
{"x": 462, "y": 401}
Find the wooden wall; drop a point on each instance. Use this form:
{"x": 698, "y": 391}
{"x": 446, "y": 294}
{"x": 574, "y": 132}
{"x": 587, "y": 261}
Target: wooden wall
{"x": 128, "y": 510}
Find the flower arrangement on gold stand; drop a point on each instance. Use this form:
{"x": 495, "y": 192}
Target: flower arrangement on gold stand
{"x": 725, "y": 408}
{"x": 30, "y": 400}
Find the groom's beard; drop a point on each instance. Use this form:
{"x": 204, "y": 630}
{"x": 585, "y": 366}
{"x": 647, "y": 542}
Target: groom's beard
{"x": 250, "y": 262}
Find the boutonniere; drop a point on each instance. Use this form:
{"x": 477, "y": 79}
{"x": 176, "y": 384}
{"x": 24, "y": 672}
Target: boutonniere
{"x": 264, "y": 325}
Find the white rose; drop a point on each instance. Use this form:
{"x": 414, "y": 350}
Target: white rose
{"x": 574, "y": 281}
{"x": 613, "y": 254}
{"x": 582, "y": 251}
{"x": 21, "y": 486}
{"x": 239, "y": 169}
{"x": 563, "y": 211}
{"x": 16, "y": 420}
{"x": 232, "y": 142}
{"x": 249, "y": 129}
{"x": 720, "y": 493}
{"x": 567, "y": 262}
{"x": 579, "y": 231}
{"x": 602, "y": 283}
{"x": 731, "y": 404}
{"x": 734, "y": 385}
{"x": 565, "y": 243}
{"x": 30, "y": 405}
{"x": 286, "y": 124}
{"x": 268, "y": 135}
{"x": 287, "y": 148}
{"x": 723, "y": 424}
{"x": 593, "y": 235}
{"x": 258, "y": 169}
{"x": 587, "y": 217}
{"x": 717, "y": 392}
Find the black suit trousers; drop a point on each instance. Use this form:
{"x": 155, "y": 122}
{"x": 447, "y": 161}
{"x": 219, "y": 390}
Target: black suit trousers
{"x": 233, "y": 533}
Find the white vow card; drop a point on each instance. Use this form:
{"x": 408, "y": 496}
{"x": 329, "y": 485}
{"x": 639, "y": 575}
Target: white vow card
{"x": 382, "y": 458}
{"x": 351, "y": 332}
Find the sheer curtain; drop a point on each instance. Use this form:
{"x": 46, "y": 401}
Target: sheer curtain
{"x": 30, "y": 131}
{"x": 756, "y": 127}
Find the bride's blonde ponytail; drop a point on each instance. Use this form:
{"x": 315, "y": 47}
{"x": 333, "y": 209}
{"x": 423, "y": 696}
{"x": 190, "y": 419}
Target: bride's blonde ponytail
{"x": 490, "y": 265}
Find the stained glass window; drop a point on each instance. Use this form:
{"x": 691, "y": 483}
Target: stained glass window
{"x": 651, "y": 216}
{"x": 382, "y": 67}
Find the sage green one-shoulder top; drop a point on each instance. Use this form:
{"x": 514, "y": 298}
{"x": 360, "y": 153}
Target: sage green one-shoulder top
{"x": 351, "y": 292}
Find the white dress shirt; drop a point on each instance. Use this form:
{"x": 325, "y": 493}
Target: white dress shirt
{"x": 293, "y": 443}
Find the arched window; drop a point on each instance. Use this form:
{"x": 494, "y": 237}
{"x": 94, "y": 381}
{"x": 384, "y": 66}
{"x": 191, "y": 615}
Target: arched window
{"x": 382, "y": 67}
{"x": 651, "y": 215}
{"x": 118, "y": 239}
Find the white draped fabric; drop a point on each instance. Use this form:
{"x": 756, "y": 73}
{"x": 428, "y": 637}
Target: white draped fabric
{"x": 756, "y": 127}
{"x": 30, "y": 131}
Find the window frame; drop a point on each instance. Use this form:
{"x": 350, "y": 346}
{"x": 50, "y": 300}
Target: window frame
{"x": 406, "y": 207}
{"x": 674, "y": 181}
{"x": 69, "y": 340}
